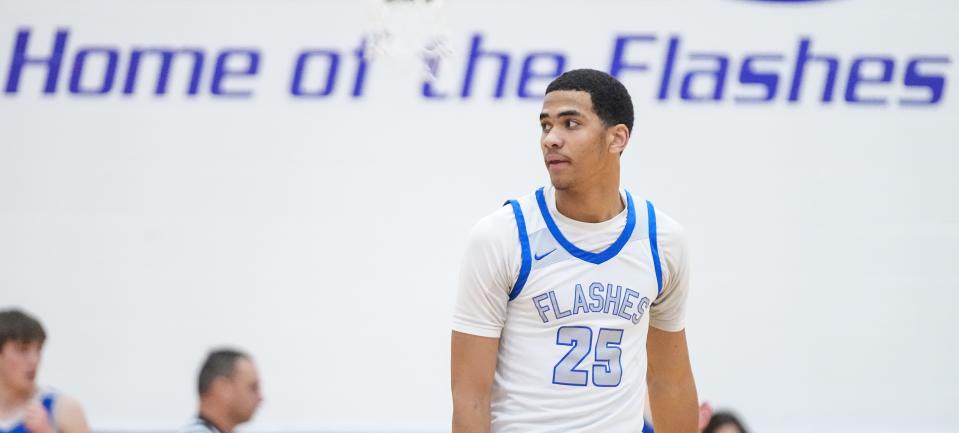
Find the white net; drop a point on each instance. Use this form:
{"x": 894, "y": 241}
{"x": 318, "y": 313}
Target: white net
{"x": 411, "y": 34}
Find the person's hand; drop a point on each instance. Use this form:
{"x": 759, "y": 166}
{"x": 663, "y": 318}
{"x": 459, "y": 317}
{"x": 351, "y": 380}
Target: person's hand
{"x": 36, "y": 418}
{"x": 705, "y": 413}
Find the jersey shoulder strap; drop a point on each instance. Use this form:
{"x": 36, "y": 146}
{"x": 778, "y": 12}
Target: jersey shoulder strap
{"x": 524, "y": 248}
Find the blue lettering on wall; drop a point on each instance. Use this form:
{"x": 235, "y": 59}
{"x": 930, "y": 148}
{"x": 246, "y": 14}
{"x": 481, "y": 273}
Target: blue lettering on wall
{"x": 717, "y": 75}
{"x": 250, "y": 59}
{"x": 749, "y": 75}
{"x": 477, "y": 53}
{"x": 332, "y": 62}
{"x": 557, "y": 62}
{"x": 856, "y": 78}
{"x": 51, "y": 61}
{"x": 934, "y": 83}
{"x": 802, "y": 73}
{"x": 108, "y": 73}
{"x": 163, "y": 75}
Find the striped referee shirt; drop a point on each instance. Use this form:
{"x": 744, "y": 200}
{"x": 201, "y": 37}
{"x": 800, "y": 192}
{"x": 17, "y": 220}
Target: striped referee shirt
{"x": 200, "y": 425}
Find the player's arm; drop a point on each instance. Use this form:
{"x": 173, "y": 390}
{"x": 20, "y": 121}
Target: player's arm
{"x": 672, "y": 390}
{"x": 473, "y": 362}
{"x": 478, "y": 318}
{"x": 69, "y": 416}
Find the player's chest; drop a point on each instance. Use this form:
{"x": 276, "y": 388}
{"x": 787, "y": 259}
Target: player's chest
{"x": 618, "y": 292}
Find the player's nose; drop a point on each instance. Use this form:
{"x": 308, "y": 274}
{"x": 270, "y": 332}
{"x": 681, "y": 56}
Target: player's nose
{"x": 552, "y": 140}
{"x": 33, "y": 358}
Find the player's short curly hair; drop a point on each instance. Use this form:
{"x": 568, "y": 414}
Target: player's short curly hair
{"x": 611, "y": 100}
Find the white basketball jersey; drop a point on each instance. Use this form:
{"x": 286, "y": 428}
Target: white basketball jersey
{"x": 572, "y": 354}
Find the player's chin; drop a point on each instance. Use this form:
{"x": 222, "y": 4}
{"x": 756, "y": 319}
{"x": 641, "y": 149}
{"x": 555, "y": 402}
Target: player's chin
{"x": 247, "y": 415}
{"x": 560, "y": 181}
{"x": 25, "y": 384}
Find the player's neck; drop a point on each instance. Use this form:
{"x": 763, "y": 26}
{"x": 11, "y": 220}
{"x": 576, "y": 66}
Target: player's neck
{"x": 595, "y": 204}
{"x": 12, "y": 400}
{"x": 218, "y": 418}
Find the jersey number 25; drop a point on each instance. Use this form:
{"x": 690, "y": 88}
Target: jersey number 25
{"x": 607, "y": 366}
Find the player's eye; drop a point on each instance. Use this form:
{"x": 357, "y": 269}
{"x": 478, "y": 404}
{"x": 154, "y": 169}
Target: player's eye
{"x": 544, "y": 126}
{"x": 571, "y": 124}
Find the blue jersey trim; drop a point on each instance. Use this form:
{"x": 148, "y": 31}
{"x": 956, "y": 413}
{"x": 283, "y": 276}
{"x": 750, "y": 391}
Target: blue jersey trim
{"x": 654, "y": 246}
{"x": 48, "y": 403}
{"x": 647, "y": 426}
{"x": 595, "y": 258}
{"x": 524, "y": 246}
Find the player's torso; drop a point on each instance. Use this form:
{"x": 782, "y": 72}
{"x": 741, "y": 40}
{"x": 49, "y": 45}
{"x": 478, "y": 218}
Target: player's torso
{"x": 15, "y": 424}
{"x": 13, "y": 427}
{"x": 572, "y": 354}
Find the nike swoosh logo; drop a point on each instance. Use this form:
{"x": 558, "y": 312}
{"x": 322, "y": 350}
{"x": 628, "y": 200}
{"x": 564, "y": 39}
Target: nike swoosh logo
{"x": 541, "y": 257}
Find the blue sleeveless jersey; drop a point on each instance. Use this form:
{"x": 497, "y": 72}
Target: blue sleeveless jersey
{"x": 48, "y": 400}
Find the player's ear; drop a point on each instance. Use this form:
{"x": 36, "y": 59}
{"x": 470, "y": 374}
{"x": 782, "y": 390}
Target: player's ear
{"x": 221, "y": 386}
{"x": 617, "y": 137}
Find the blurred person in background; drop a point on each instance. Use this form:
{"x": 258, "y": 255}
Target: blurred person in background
{"x": 229, "y": 387}
{"x": 724, "y": 422}
{"x": 25, "y": 407}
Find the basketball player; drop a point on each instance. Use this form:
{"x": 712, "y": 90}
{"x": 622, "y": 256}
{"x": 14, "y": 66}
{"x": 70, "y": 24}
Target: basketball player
{"x": 24, "y": 406}
{"x": 568, "y": 294}
{"x": 229, "y": 387}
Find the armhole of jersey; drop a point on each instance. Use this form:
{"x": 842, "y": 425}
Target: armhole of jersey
{"x": 647, "y": 426}
{"x": 527, "y": 260}
{"x": 654, "y": 246}
{"x": 48, "y": 401}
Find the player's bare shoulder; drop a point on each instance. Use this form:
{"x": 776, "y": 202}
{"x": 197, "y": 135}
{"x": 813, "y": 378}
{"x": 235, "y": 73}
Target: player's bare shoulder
{"x": 69, "y": 415}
